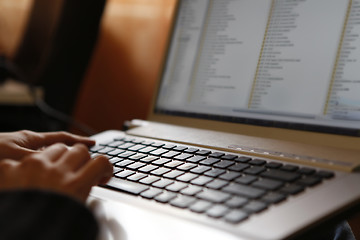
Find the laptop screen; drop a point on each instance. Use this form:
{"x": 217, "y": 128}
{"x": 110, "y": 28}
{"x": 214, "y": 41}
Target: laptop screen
{"x": 280, "y": 63}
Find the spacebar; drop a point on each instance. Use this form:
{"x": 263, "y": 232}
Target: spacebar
{"x": 126, "y": 186}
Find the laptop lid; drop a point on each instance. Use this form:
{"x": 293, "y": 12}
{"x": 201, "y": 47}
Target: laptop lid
{"x": 270, "y": 69}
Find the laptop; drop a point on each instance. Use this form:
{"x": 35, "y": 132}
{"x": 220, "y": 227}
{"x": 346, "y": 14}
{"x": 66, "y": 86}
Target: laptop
{"x": 254, "y": 128}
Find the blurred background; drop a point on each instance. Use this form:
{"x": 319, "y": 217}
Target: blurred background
{"x": 114, "y": 51}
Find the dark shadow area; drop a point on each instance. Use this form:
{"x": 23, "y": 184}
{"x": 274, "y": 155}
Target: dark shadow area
{"x": 54, "y": 53}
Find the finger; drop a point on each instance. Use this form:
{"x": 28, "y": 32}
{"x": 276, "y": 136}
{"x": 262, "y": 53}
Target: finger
{"x": 7, "y": 164}
{"x": 7, "y": 176}
{"x": 95, "y": 171}
{"x": 75, "y": 157}
{"x": 18, "y": 152}
{"x": 52, "y": 153}
{"x": 46, "y": 139}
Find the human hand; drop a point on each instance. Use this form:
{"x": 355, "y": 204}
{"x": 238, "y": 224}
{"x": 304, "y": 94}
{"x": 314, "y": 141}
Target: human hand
{"x": 58, "y": 168}
{"x": 16, "y": 145}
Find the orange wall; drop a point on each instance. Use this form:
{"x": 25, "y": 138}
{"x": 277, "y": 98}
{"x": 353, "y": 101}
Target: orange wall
{"x": 13, "y": 18}
{"x": 121, "y": 77}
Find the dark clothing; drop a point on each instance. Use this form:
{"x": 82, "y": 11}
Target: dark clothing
{"x": 44, "y": 216}
{"x": 341, "y": 231}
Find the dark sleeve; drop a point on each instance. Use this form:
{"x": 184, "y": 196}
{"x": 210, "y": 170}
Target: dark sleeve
{"x": 44, "y": 215}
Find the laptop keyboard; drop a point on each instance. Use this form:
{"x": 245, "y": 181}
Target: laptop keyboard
{"x": 220, "y": 185}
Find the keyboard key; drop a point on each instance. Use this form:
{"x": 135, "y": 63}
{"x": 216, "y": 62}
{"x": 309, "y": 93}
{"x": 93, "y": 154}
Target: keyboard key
{"x": 127, "y": 186}
{"x": 116, "y": 170}
{"x": 96, "y": 148}
{"x": 246, "y": 179}
{"x": 136, "y": 177}
{"x": 217, "y": 211}
{"x": 161, "y": 171}
{"x": 176, "y": 187}
{"x": 191, "y": 150}
{"x": 148, "y": 168}
{"x": 292, "y": 189}
{"x": 236, "y": 202}
{"x": 159, "y": 152}
{"x": 210, "y": 161}
{"x": 257, "y": 162}
{"x": 224, "y": 164}
{"x": 137, "y": 156}
{"x": 173, "y": 164}
{"x": 170, "y": 154}
{"x": 191, "y": 190}
{"x": 147, "y": 149}
{"x": 309, "y": 181}
{"x": 115, "y": 160}
{"x": 136, "y": 166}
{"x": 149, "y": 180}
{"x": 229, "y": 176}
{"x": 126, "y": 154}
{"x": 136, "y": 147}
{"x": 147, "y": 143}
{"x": 236, "y": 216}
{"x": 290, "y": 168}
{"x": 229, "y": 157}
{"x": 124, "y": 163}
{"x": 217, "y": 184}
{"x": 200, "y": 206}
{"x": 115, "y": 144}
{"x": 215, "y": 172}
{"x": 217, "y": 154}
{"x": 186, "y": 166}
{"x": 161, "y": 161}
{"x": 306, "y": 171}
{"x": 187, "y": 177}
{"x": 149, "y": 159}
{"x": 183, "y": 156}
{"x": 105, "y": 150}
{"x": 242, "y": 159}
{"x": 157, "y": 144}
{"x": 274, "y": 165}
{"x": 268, "y": 184}
{"x": 151, "y": 193}
{"x": 203, "y": 152}
{"x": 162, "y": 183}
{"x": 115, "y": 152}
{"x": 200, "y": 169}
{"x": 273, "y": 197}
{"x": 245, "y": 191}
{"x": 202, "y": 180}
{"x": 137, "y": 141}
{"x": 255, "y": 207}
{"x": 169, "y": 146}
{"x": 179, "y": 148}
{"x": 238, "y": 167}
{"x": 173, "y": 174}
{"x": 124, "y": 174}
{"x": 165, "y": 197}
{"x": 182, "y": 201}
{"x": 195, "y": 159}
{"x": 126, "y": 139}
{"x": 325, "y": 174}
{"x": 281, "y": 175}
{"x": 213, "y": 196}
{"x": 125, "y": 146}
{"x": 255, "y": 170}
